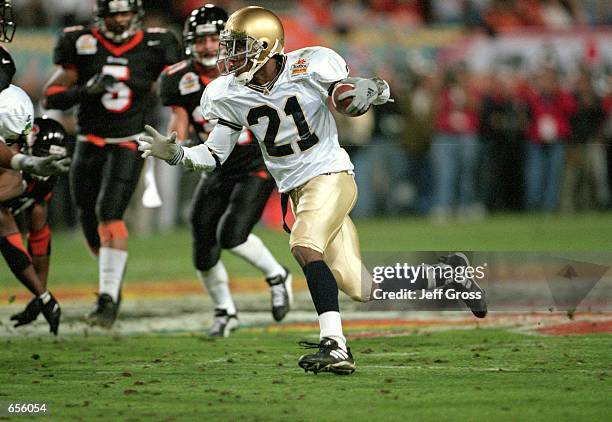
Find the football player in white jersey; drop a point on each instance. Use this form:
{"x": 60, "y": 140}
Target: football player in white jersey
{"x": 282, "y": 99}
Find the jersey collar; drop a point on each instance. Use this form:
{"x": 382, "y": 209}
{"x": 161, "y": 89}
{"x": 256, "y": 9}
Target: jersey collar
{"x": 265, "y": 89}
{"x": 118, "y": 49}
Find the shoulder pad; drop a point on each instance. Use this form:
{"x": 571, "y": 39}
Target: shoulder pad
{"x": 214, "y": 100}
{"x": 320, "y": 63}
{"x": 16, "y": 113}
{"x": 175, "y": 68}
{"x": 218, "y": 87}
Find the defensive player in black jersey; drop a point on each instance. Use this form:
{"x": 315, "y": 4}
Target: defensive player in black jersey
{"x": 108, "y": 69}
{"x": 31, "y": 266}
{"x": 229, "y": 202}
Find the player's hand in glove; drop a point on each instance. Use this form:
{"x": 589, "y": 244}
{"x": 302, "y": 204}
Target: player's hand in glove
{"x": 41, "y": 166}
{"x": 29, "y": 314}
{"x": 98, "y": 83}
{"x": 46, "y": 304}
{"x": 159, "y": 146}
{"x": 365, "y": 92}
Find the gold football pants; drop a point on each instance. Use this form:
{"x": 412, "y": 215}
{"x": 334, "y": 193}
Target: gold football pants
{"x": 321, "y": 207}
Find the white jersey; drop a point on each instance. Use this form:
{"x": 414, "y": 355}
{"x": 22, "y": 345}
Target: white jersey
{"x": 289, "y": 116}
{"x": 16, "y": 113}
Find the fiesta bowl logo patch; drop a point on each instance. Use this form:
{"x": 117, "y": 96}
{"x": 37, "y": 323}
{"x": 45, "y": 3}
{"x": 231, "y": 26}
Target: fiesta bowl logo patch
{"x": 87, "y": 44}
{"x": 189, "y": 83}
{"x": 299, "y": 68}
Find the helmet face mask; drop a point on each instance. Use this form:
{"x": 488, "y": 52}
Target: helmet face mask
{"x": 106, "y": 10}
{"x": 7, "y": 21}
{"x": 236, "y": 52}
{"x": 252, "y": 35}
{"x": 201, "y": 26}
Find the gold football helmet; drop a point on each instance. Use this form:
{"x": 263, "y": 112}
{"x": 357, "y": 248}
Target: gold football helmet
{"x": 251, "y": 34}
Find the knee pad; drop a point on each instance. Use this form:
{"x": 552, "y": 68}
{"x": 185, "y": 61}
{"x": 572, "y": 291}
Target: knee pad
{"x": 205, "y": 255}
{"x": 233, "y": 230}
{"x": 15, "y": 253}
{"x": 231, "y": 238}
{"x": 39, "y": 242}
{"x": 112, "y": 230}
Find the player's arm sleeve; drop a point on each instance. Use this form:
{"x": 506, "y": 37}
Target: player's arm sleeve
{"x": 221, "y": 141}
{"x": 64, "y": 53}
{"x": 172, "y": 50}
{"x": 61, "y": 92}
{"x": 168, "y": 92}
{"x": 328, "y": 68}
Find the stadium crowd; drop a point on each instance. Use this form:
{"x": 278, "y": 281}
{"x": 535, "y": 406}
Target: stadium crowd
{"x": 457, "y": 141}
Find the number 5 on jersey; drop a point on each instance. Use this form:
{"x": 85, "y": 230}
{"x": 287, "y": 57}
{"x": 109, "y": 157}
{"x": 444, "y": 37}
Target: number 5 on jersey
{"x": 118, "y": 97}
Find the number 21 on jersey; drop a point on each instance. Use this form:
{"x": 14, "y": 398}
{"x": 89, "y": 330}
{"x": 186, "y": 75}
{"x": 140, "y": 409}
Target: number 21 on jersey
{"x": 292, "y": 108}
{"x": 118, "y": 97}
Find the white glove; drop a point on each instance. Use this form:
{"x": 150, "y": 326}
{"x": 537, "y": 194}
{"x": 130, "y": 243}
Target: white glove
{"x": 160, "y": 146}
{"x": 41, "y": 166}
{"x": 365, "y": 93}
{"x": 199, "y": 158}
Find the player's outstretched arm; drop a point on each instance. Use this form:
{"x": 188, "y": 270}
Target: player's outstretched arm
{"x": 365, "y": 93}
{"x": 61, "y": 91}
{"x": 205, "y": 157}
{"x": 52, "y": 165}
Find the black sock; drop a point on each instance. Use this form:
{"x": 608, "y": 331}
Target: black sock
{"x": 322, "y": 286}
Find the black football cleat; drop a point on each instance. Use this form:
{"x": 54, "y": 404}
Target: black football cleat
{"x": 105, "y": 313}
{"x": 478, "y": 305}
{"x": 29, "y": 314}
{"x": 329, "y": 358}
{"x": 51, "y": 311}
{"x": 282, "y": 294}
{"x": 223, "y": 324}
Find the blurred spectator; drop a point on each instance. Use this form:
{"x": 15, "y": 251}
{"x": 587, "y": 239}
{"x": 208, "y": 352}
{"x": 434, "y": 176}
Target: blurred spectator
{"x": 69, "y": 12}
{"x": 552, "y": 109}
{"x": 556, "y": 14}
{"x": 380, "y": 165}
{"x": 455, "y": 149}
{"x": 504, "y": 15}
{"x": 419, "y": 107}
{"x": 607, "y": 129}
{"x": 503, "y": 119}
{"x": 316, "y": 14}
{"x": 447, "y": 12}
{"x": 408, "y": 12}
{"x": 584, "y": 182}
{"x": 31, "y": 13}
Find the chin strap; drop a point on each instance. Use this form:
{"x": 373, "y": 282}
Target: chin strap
{"x": 245, "y": 78}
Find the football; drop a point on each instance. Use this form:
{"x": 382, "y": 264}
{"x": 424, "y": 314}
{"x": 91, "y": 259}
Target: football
{"x": 340, "y": 106}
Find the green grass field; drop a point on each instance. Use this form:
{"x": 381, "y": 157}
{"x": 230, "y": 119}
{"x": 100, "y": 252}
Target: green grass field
{"x": 440, "y": 374}
{"x": 167, "y": 256}
{"x": 469, "y": 375}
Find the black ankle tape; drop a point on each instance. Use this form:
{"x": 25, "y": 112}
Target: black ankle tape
{"x": 322, "y": 286}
